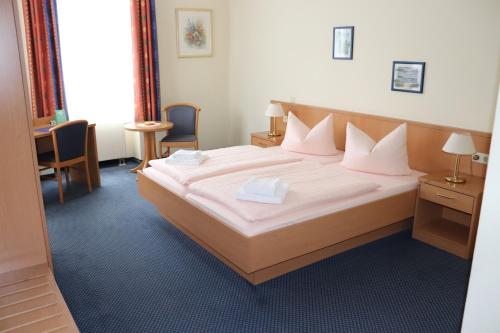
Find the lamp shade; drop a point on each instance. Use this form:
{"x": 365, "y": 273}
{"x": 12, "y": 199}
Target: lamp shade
{"x": 460, "y": 143}
{"x": 275, "y": 110}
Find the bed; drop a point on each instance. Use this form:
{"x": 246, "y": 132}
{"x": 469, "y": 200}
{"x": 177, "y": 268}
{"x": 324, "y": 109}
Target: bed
{"x": 177, "y": 178}
{"x": 331, "y": 189}
{"x": 259, "y": 253}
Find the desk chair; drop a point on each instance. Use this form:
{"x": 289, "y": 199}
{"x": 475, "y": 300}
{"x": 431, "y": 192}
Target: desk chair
{"x": 185, "y": 132}
{"x": 70, "y": 148}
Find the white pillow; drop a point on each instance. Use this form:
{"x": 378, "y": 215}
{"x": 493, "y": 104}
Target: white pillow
{"x": 316, "y": 141}
{"x": 387, "y": 157}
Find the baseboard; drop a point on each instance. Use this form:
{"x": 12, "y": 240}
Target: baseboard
{"x": 116, "y": 162}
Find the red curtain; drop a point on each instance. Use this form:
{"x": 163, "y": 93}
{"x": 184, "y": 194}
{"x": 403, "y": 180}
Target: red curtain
{"x": 146, "y": 69}
{"x": 44, "y": 60}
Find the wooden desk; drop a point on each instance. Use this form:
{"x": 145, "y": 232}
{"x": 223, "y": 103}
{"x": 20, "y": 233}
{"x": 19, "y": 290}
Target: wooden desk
{"x": 43, "y": 141}
{"x": 149, "y": 131}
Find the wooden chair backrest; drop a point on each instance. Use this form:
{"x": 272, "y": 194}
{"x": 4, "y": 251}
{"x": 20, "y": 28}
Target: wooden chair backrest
{"x": 194, "y": 106}
{"x": 70, "y": 140}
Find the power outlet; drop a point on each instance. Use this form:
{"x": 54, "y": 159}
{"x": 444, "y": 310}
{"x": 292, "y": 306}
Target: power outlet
{"x": 480, "y": 158}
{"x": 285, "y": 119}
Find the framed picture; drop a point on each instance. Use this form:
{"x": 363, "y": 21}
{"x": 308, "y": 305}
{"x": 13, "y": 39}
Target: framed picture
{"x": 343, "y": 41}
{"x": 194, "y": 32}
{"x": 408, "y": 76}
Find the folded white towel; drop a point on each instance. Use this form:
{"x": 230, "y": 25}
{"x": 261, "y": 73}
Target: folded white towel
{"x": 187, "y": 154}
{"x": 261, "y": 186}
{"x": 277, "y": 191}
{"x": 186, "y": 161}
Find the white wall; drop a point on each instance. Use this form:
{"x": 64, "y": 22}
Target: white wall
{"x": 482, "y": 309}
{"x": 282, "y": 48}
{"x": 203, "y": 81}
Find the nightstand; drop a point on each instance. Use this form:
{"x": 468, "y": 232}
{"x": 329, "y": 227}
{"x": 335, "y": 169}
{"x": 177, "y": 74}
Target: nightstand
{"x": 447, "y": 214}
{"x": 261, "y": 139}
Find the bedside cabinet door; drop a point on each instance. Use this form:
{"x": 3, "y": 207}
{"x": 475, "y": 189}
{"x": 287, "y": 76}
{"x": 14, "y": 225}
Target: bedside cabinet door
{"x": 447, "y": 198}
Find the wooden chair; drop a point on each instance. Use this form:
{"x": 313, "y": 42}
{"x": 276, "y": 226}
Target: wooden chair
{"x": 184, "y": 116}
{"x": 70, "y": 148}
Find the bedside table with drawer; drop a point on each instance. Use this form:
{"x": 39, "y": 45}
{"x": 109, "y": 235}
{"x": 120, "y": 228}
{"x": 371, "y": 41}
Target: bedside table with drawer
{"x": 261, "y": 139}
{"x": 447, "y": 214}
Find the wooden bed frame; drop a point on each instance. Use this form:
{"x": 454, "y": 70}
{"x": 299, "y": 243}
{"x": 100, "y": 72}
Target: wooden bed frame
{"x": 274, "y": 253}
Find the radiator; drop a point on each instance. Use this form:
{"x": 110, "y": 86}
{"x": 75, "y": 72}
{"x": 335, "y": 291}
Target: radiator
{"x": 111, "y": 142}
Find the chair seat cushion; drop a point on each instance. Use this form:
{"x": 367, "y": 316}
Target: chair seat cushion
{"x": 179, "y": 138}
{"x": 47, "y": 157}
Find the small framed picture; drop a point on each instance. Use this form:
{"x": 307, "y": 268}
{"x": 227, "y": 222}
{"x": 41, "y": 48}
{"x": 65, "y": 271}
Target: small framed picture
{"x": 408, "y": 76}
{"x": 194, "y": 32}
{"x": 343, "y": 41}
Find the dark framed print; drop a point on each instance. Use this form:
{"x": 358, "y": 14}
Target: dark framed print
{"x": 343, "y": 41}
{"x": 408, "y": 76}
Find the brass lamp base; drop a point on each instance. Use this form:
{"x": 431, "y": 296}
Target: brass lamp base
{"x": 454, "y": 180}
{"x": 272, "y": 132}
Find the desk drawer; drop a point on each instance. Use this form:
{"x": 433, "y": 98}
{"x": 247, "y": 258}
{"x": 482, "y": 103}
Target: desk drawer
{"x": 447, "y": 198}
{"x": 261, "y": 142}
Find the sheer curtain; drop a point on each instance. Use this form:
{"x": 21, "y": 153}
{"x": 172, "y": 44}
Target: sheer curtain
{"x": 96, "y": 49}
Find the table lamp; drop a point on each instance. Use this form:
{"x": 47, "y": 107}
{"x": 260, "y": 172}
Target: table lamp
{"x": 273, "y": 111}
{"x": 459, "y": 144}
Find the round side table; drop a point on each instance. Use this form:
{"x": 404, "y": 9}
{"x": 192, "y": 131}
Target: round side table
{"x": 148, "y": 128}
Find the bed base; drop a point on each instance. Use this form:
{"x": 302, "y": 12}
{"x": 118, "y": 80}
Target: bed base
{"x": 277, "y": 252}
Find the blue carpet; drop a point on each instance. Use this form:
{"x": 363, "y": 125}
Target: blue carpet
{"x": 122, "y": 268}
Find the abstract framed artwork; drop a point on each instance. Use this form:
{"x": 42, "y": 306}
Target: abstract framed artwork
{"x": 194, "y": 32}
{"x": 343, "y": 41}
{"x": 408, "y": 76}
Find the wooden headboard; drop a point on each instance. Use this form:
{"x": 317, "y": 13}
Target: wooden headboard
{"x": 425, "y": 141}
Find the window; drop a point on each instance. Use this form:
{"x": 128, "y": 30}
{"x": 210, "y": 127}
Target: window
{"x": 96, "y": 52}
